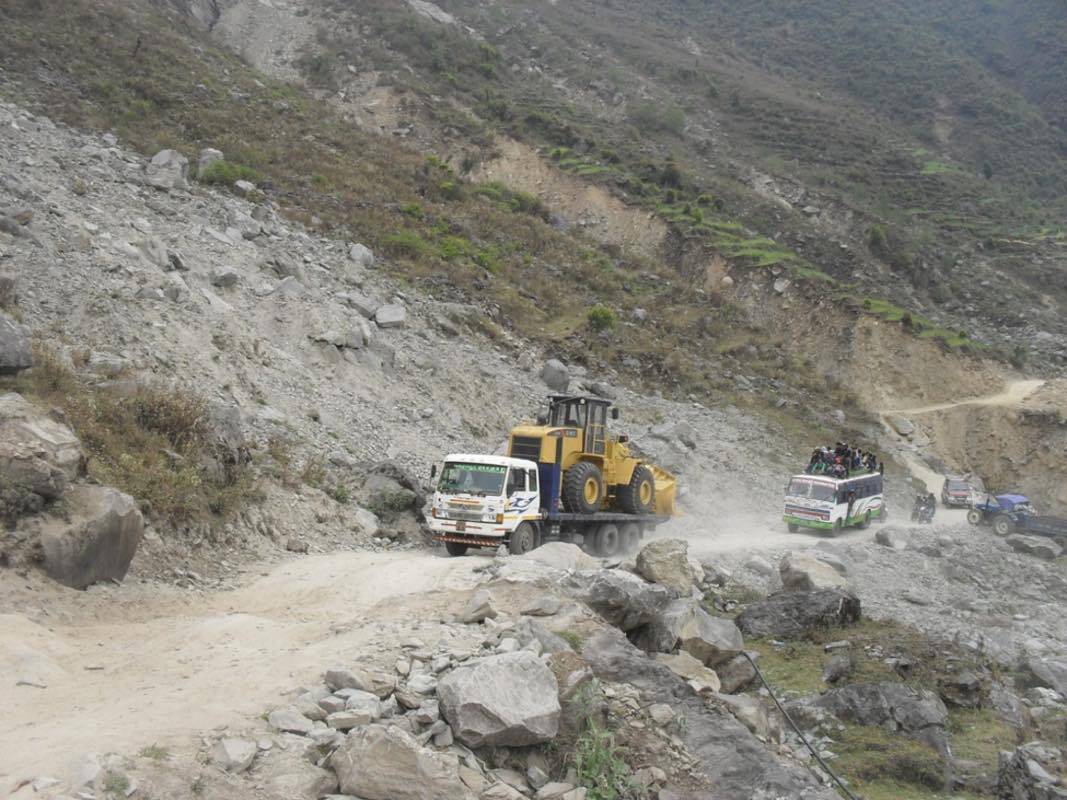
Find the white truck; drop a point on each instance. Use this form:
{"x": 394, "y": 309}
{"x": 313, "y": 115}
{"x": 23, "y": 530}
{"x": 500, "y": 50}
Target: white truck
{"x": 486, "y": 501}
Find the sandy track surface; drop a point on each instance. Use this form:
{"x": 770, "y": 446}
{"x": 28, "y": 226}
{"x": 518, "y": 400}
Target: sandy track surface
{"x": 1015, "y": 392}
{"x": 156, "y": 666}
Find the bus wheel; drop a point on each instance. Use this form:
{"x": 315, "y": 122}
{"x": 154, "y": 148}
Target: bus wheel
{"x": 456, "y": 549}
{"x": 866, "y": 522}
{"x": 606, "y": 541}
{"x": 838, "y": 526}
{"x": 522, "y": 540}
{"x": 792, "y": 527}
{"x": 630, "y": 536}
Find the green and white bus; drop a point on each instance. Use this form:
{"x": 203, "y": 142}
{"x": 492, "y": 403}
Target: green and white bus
{"x": 819, "y": 501}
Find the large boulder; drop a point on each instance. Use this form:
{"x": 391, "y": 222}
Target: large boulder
{"x": 233, "y": 755}
{"x": 917, "y": 713}
{"x": 621, "y": 598}
{"x": 1030, "y": 773}
{"x": 291, "y": 772}
{"x": 666, "y": 562}
{"x": 36, "y": 452}
{"x": 15, "y": 353}
{"x": 555, "y": 375}
{"x": 1036, "y": 546}
{"x": 506, "y": 700}
{"x": 791, "y": 615}
{"x": 388, "y": 490}
{"x": 802, "y": 573}
{"x": 700, "y": 678}
{"x": 561, "y": 555}
{"x": 97, "y": 542}
{"x": 387, "y": 763}
{"x": 168, "y": 170}
{"x": 1050, "y": 673}
{"x": 737, "y": 764}
{"x": 362, "y": 255}
{"x": 687, "y": 626}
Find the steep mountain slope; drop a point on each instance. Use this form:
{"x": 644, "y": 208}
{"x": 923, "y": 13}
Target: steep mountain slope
{"x": 842, "y": 140}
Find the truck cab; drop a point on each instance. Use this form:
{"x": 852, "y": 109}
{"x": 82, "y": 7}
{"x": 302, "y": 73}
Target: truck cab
{"x": 482, "y": 500}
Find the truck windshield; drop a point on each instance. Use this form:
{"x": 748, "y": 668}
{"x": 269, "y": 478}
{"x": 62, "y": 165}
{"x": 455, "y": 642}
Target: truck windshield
{"x": 479, "y": 479}
{"x": 799, "y": 487}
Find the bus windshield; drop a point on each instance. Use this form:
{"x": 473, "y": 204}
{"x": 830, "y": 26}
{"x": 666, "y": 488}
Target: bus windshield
{"x": 816, "y": 490}
{"x": 476, "y": 479}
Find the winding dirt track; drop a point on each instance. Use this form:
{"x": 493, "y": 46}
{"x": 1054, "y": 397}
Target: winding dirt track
{"x": 1015, "y": 392}
{"x": 140, "y": 664}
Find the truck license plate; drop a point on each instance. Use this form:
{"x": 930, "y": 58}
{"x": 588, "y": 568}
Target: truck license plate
{"x": 461, "y": 526}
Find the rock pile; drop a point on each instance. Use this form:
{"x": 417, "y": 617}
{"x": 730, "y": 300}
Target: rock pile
{"x": 41, "y": 459}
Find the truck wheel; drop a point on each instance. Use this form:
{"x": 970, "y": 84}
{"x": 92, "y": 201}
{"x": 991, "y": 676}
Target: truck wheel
{"x": 456, "y": 549}
{"x": 630, "y": 535}
{"x": 974, "y": 516}
{"x": 522, "y": 540}
{"x": 1002, "y": 524}
{"x": 583, "y": 488}
{"x": 792, "y": 527}
{"x": 606, "y": 540}
{"x": 639, "y": 495}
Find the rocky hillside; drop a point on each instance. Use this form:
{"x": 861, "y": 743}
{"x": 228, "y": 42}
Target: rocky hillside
{"x": 918, "y": 191}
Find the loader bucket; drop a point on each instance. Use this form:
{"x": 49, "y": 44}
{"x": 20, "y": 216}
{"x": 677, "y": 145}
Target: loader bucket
{"x": 666, "y": 488}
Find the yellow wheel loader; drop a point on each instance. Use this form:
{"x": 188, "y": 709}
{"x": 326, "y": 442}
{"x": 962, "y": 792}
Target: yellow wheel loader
{"x": 586, "y": 470}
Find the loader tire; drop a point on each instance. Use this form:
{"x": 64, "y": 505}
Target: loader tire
{"x": 639, "y": 495}
{"x": 583, "y": 488}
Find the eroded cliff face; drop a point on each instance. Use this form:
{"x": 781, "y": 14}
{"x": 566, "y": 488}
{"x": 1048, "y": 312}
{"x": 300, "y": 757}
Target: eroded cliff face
{"x": 1017, "y": 446}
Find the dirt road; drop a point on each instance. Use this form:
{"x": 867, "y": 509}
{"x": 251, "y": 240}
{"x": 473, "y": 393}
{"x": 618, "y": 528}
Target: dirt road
{"x": 1015, "y": 392}
{"x": 120, "y": 668}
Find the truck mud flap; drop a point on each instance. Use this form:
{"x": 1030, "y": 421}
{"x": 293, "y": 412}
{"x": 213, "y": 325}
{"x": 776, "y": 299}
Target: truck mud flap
{"x": 473, "y": 541}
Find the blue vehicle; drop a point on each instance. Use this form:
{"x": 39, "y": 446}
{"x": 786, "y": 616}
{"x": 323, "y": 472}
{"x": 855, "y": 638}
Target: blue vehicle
{"x": 1013, "y": 513}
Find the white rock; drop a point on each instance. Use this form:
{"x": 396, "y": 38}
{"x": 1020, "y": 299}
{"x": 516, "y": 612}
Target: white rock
{"x": 233, "y": 755}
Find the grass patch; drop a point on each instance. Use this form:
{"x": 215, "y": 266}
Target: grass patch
{"x": 573, "y": 638}
{"x": 155, "y": 752}
{"x": 796, "y": 666}
{"x": 938, "y": 168}
{"x": 980, "y": 735}
{"x": 152, "y": 442}
{"x": 226, "y": 173}
{"x": 867, "y": 754}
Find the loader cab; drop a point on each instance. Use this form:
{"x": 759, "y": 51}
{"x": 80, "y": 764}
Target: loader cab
{"x": 588, "y": 414}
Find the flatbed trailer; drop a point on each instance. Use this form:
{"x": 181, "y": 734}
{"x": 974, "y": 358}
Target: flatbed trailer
{"x": 603, "y": 533}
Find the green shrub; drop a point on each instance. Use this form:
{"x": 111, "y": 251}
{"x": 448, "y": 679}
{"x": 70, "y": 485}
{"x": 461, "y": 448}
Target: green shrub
{"x": 649, "y": 117}
{"x": 407, "y": 244}
{"x": 600, "y": 766}
{"x": 600, "y": 318}
{"x": 226, "y": 173}
{"x": 878, "y": 240}
{"x": 413, "y": 210}
{"x": 154, "y": 443}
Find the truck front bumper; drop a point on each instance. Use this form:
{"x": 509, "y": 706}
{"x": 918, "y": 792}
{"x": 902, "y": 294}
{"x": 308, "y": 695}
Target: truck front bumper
{"x": 483, "y": 534}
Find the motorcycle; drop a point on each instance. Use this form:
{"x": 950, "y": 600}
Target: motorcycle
{"x": 924, "y": 508}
